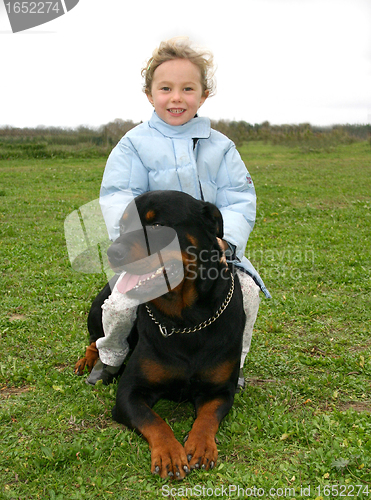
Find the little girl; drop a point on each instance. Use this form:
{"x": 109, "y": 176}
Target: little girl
{"x": 178, "y": 150}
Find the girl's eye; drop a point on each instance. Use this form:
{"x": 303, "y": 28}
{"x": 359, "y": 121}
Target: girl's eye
{"x": 166, "y": 89}
{"x": 188, "y": 89}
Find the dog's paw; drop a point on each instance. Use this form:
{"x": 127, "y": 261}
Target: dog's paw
{"x": 201, "y": 451}
{"x": 80, "y": 366}
{"x": 88, "y": 361}
{"x": 169, "y": 461}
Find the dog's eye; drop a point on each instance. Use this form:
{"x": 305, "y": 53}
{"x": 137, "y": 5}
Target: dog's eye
{"x": 155, "y": 226}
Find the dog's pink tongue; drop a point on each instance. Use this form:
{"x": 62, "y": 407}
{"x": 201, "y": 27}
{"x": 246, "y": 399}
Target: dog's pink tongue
{"x": 129, "y": 281}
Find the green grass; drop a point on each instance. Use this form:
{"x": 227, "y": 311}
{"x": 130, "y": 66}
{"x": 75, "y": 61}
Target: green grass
{"x": 304, "y": 420}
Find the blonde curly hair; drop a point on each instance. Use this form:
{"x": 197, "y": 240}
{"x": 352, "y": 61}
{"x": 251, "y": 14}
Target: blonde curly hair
{"x": 181, "y": 48}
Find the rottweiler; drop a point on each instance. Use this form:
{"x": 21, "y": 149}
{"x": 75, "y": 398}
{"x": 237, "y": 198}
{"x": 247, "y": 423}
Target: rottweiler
{"x": 188, "y": 340}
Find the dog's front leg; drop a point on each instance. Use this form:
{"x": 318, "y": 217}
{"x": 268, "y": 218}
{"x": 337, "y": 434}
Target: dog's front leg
{"x": 168, "y": 458}
{"x": 200, "y": 446}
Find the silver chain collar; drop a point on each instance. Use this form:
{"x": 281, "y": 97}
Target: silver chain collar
{"x": 202, "y": 325}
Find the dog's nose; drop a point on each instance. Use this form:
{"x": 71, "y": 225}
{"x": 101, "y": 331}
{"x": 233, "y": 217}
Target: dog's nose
{"x": 129, "y": 247}
{"x": 116, "y": 253}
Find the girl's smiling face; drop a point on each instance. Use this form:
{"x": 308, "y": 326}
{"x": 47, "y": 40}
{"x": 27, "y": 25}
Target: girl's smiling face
{"x": 176, "y": 92}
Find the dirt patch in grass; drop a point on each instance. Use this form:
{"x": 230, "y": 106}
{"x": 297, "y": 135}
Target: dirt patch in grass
{"x": 356, "y": 406}
{"x": 17, "y": 317}
{"x": 259, "y": 381}
{"x": 7, "y": 392}
{"x": 62, "y": 366}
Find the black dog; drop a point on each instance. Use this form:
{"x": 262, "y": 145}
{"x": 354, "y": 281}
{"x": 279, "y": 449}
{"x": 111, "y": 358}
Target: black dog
{"x": 189, "y": 339}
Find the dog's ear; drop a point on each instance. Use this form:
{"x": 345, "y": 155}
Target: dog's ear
{"x": 213, "y": 215}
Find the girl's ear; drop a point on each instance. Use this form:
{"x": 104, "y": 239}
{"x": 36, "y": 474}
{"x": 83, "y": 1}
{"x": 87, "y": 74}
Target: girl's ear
{"x": 203, "y": 98}
{"x": 150, "y": 98}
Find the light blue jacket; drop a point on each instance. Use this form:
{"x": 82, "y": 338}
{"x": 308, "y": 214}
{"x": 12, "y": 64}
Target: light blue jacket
{"x": 155, "y": 155}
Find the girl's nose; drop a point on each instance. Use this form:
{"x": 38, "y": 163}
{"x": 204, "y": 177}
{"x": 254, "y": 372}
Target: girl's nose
{"x": 176, "y": 96}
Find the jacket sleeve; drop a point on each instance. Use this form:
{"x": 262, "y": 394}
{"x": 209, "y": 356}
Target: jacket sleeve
{"x": 124, "y": 178}
{"x": 236, "y": 199}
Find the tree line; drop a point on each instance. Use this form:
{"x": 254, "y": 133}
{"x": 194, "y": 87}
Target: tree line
{"x": 89, "y": 142}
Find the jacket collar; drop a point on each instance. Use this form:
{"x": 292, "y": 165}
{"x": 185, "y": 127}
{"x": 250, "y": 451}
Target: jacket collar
{"x": 198, "y": 127}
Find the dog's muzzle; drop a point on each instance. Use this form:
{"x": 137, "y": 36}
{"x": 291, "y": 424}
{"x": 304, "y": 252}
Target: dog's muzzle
{"x": 151, "y": 259}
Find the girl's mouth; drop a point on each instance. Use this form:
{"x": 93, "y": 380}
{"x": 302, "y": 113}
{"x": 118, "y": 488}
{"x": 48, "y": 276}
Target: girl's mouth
{"x": 176, "y": 111}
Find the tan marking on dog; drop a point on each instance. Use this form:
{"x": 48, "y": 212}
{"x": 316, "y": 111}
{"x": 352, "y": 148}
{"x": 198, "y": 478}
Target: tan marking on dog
{"x": 183, "y": 295}
{"x": 193, "y": 241}
{"x": 150, "y": 215}
{"x": 156, "y": 373}
{"x": 189, "y": 295}
{"x": 220, "y": 373}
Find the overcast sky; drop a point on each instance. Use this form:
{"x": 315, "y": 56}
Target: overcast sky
{"x": 285, "y": 61}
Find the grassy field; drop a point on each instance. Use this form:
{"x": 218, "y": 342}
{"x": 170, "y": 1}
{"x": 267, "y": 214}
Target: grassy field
{"x": 301, "y": 429}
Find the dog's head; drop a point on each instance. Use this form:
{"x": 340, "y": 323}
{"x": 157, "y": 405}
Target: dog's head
{"x": 168, "y": 248}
